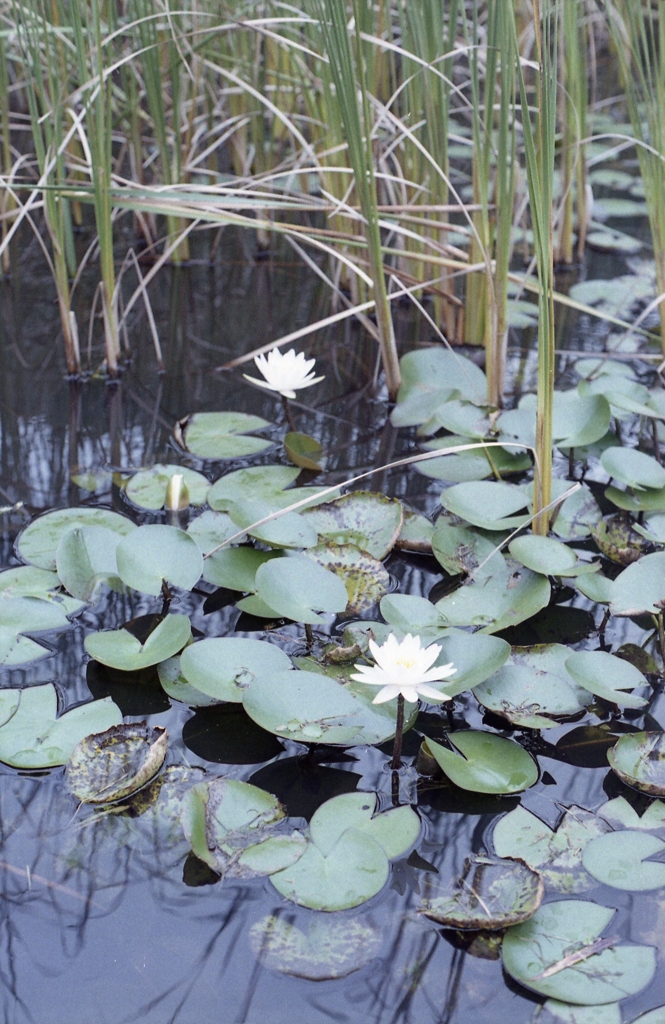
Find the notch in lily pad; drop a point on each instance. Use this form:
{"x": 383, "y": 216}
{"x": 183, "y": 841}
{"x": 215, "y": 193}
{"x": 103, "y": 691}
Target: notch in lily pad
{"x": 154, "y": 555}
{"x": 121, "y": 649}
{"x": 147, "y": 489}
{"x": 483, "y": 762}
{"x": 221, "y": 435}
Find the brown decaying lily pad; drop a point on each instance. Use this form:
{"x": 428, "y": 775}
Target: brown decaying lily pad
{"x": 491, "y": 894}
{"x": 112, "y": 765}
{"x": 639, "y": 761}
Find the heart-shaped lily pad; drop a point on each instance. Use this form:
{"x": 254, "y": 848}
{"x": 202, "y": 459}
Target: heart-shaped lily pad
{"x": 112, "y": 765}
{"x": 633, "y": 468}
{"x": 222, "y": 667}
{"x": 490, "y": 895}
{"x": 30, "y": 581}
{"x": 395, "y": 830}
{"x": 120, "y": 649}
{"x": 370, "y": 521}
{"x": 86, "y": 561}
{"x": 548, "y": 556}
{"x": 430, "y": 377}
{"x": 221, "y": 435}
{"x": 556, "y": 954}
{"x": 27, "y": 615}
{"x": 235, "y": 568}
{"x": 620, "y": 860}
{"x": 485, "y": 763}
{"x": 147, "y": 488}
{"x": 294, "y": 587}
{"x": 606, "y": 676}
{"x": 38, "y": 542}
{"x": 153, "y": 555}
{"x": 639, "y": 760}
{"x": 501, "y": 594}
{"x": 640, "y": 588}
{"x": 415, "y": 615}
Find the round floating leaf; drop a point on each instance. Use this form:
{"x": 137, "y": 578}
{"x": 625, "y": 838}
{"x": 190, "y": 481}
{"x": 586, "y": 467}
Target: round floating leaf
{"x": 596, "y": 587}
{"x": 640, "y": 588}
{"x": 147, "y": 488}
{"x": 642, "y": 501}
{"x": 568, "y": 1013}
{"x": 370, "y": 521}
{"x": 235, "y": 568}
{"x": 33, "y": 737}
{"x": 21, "y": 615}
{"x": 222, "y": 667}
{"x": 222, "y": 435}
{"x": 502, "y": 594}
{"x": 547, "y": 556}
{"x": 112, "y": 765}
{"x": 296, "y": 586}
{"x": 430, "y": 377}
{"x": 619, "y": 813}
{"x": 411, "y": 614}
{"x": 606, "y": 676}
{"x": 258, "y": 483}
{"x": 610, "y": 240}
{"x": 579, "y": 420}
{"x": 365, "y": 578}
{"x": 29, "y": 581}
{"x": 157, "y": 554}
{"x": 577, "y": 515}
{"x": 485, "y": 763}
{"x": 416, "y": 533}
{"x": 639, "y": 760}
{"x": 395, "y": 830}
{"x": 555, "y": 854}
{"x": 289, "y": 530}
{"x": 460, "y": 548}
{"x": 303, "y": 450}
{"x": 350, "y": 874}
{"x": 491, "y": 895}
{"x": 475, "y": 657}
{"x": 177, "y": 687}
{"x": 489, "y": 505}
{"x": 211, "y": 529}
{"x": 633, "y": 468}
{"x": 620, "y": 860}
{"x": 474, "y": 464}
{"x": 312, "y": 707}
{"x": 564, "y": 933}
{"x": 86, "y": 561}
{"x": 38, "y": 542}
{"x": 122, "y": 650}
{"x": 330, "y": 949}
{"x": 462, "y": 418}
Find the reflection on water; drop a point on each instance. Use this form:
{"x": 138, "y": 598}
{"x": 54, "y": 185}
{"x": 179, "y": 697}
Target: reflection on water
{"x": 105, "y": 917}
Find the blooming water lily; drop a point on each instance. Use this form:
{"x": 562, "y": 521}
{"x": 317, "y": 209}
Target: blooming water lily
{"x": 284, "y": 372}
{"x": 404, "y": 669}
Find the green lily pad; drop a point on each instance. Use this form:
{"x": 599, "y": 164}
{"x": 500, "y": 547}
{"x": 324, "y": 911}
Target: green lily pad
{"x": 555, "y": 853}
{"x": 569, "y": 928}
{"x": 221, "y": 435}
{"x": 620, "y": 814}
{"x": 490, "y": 895}
{"x": 617, "y": 539}
{"x": 620, "y": 860}
{"x": 370, "y": 521}
{"x": 486, "y": 504}
{"x": 27, "y": 615}
{"x": 222, "y": 667}
{"x": 596, "y": 587}
{"x": 176, "y": 686}
{"x": 416, "y": 533}
{"x": 235, "y": 568}
{"x": 475, "y": 656}
{"x": 295, "y": 586}
{"x": 643, "y": 501}
{"x": 288, "y": 530}
{"x": 411, "y": 614}
{"x": 474, "y": 464}
{"x": 394, "y": 830}
{"x": 534, "y": 688}
{"x": 211, "y": 529}
{"x": 568, "y": 1013}
{"x": 485, "y": 763}
{"x": 34, "y": 737}
{"x": 462, "y": 418}
{"x": 606, "y": 676}
{"x": 112, "y": 765}
{"x": 86, "y": 561}
{"x": 579, "y": 420}
{"x": 259, "y": 483}
{"x": 548, "y": 556}
{"x": 633, "y": 468}
{"x": 460, "y": 548}
{"x": 30, "y": 581}
{"x": 501, "y": 594}
{"x": 153, "y": 555}
{"x": 640, "y": 588}
{"x": 314, "y": 708}
{"x": 331, "y": 948}
{"x": 430, "y": 377}
{"x": 303, "y": 450}
{"x": 147, "y": 488}
{"x": 38, "y": 542}
{"x": 639, "y": 760}
{"x": 656, "y": 1016}
{"x": 365, "y": 578}
{"x": 120, "y": 649}
{"x": 610, "y": 240}
{"x": 624, "y": 396}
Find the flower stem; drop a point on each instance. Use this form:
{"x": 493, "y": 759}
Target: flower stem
{"x": 287, "y": 413}
{"x": 309, "y": 636}
{"x": 399, "y": 730}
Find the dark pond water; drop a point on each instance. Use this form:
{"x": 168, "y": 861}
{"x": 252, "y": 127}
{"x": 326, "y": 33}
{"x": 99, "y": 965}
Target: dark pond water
{"x": 101, "y": 920}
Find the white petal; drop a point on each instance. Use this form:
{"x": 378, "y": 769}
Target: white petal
{"x": 387, "y": 693}
{"x": 429, "y": 691}
{"x": 261, "y": 383}
{"x": 410, "y": 694}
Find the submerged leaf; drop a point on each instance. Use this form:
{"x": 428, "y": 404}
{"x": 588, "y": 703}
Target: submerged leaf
{"x": 112, "y": 765}
{"x": 330, "y": 949}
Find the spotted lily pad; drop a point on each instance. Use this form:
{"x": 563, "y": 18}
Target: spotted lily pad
{"x": 211, "y": 529}
{"x": 556, "y": 953}
{"x": 38, "y": 542}
{"x": 148, "y": 487}
{"x": 490, "y": 895}
{"x": 365, "y": 578}
{"x": 639, "y": 760}
{"x": 485, "y": 763}
{"x": 640, "y": 588}
{"x": 112, "y": 765}
{"x": 331, "y": 948}
{"x": 32, "y": 736}
{"x": 153, "y": 555}
{"x": 221, "y": 435}
{"x": 294, "y": 587}
{"x": 86, "y": 561}
{"x": 617, "y": 539}
{"x": 621, "y": 860}
{"x": 370, "y": 521}
{"x": 222, "y": 667}
{"x": 120, "y": 649}
{"x": 501, "y": 594}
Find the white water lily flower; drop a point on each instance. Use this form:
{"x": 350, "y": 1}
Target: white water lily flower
{"x": 404, "y": 668}
{"x": 284, "y": 372}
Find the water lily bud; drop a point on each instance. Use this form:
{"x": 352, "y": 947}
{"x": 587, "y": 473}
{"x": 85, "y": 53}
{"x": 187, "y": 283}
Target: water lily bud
{"x": 177, "y": 494}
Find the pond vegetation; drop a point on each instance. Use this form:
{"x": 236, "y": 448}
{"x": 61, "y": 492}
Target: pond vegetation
{"x": 311, "y": 694}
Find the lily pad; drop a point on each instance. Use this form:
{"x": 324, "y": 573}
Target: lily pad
{"x": 20, "y": 616}
{"x": 221, "y": 435}
{"x": 563, "y": 935}
{"x": 633, "y": 468}
{"x": 555, "y": 853}
{"x": 606, "y": 676}
{"x": 474, "y": 464}
{"x": 365, "y": 578}
{"x": 176, "y": 686}
{"x": 259, "y": 483}
{"x": 620, "y": 860}
{"x": 147, "y": 488}
{"x": 153, "y": 555}
{"x": 416, "y": 533}
{"x": 86, "y": 561}
{"x": 395, "y": 830}
{"x": 490, "y": 895}
{"x": 235, "y": 568}
{"x": 429, "y": 378}
{"x": 303, "y": 450}
{"x": 486, "y": 504}
{"x": 502, "y": 594}
{"x": 620, "y": 814}
{"x": 640, "y": 588}
{"x": 462, "y": 418}
{"x": 642, "y": 501}
{"x": 310, "y": 707}
{"x": 294, "y": 587}
{"x": 34, "y": 737}
{"x": 568, "y": 1013}
{"x": 548, "y": 556}
{"x": 460, "y": 548}
{"x": 370, "y": 521}
{"x": 331, "y": 948}
{"x": 222, "y": 667}
{"x": 639, "y": 760}
{"x": 610, "y": 240}
{"x": 617, "y": 539}
{"x": 120, "y": 649}
{"x": 211, "y": 529}
{"x": 287, "y": 530}
{"x": 30, "y": 581}
{"x": 112, "y": 765}
{"x": 38, "y": 542}
{"x": 410, "y": 614}
{"x": 485, "y": 763}
{"x": 596, "y": 587}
